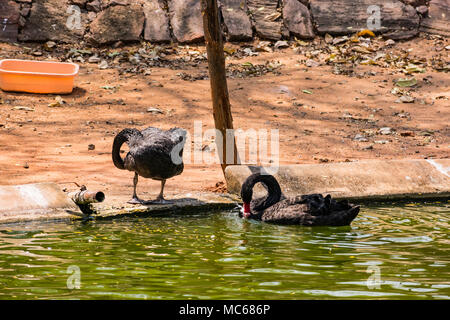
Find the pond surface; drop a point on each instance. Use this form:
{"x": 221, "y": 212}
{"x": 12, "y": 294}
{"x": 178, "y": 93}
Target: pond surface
{"x": 400, "y": 252}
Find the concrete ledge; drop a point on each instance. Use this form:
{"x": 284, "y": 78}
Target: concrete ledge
{"x": 362, "y": 180}
{"x": 46, "y": 201}
{"x": 182, "y": 203}
{"x": 35, "y": 201}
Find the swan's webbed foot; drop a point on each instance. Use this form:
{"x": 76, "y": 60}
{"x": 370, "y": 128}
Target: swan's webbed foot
{"x": 136, "y": 200}
{"x": 160, "y": 200}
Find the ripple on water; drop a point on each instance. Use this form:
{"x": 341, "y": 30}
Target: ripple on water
{"x": 407, "y": 239}
{"x": 352, "y": 293}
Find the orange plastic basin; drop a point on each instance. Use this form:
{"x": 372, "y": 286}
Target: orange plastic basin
{"x": 37, "y": 76}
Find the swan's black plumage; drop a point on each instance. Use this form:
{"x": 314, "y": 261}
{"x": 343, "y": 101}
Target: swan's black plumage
{"x": 308, "y": 210}
{"x": 154, "y": 153}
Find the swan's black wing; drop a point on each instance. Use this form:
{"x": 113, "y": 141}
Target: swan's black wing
{"x": 311, "y": 210}
{"x": 170, "y": 137}
{"x": 152, "y": 154}
{"x": 288, "y": 211}
{"x": 338, "y": 218}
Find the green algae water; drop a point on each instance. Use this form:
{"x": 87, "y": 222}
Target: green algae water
{"x": 400, "y": 252}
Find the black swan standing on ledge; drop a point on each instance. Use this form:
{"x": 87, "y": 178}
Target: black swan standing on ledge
{"x": 154, "y": 153}
{"x": 308, "y": 210}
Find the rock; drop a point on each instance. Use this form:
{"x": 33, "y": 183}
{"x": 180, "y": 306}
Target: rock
{"x": 360, "y": 138}
{"x": 298, "y": 19}
{"x": 186, "y": 20}
{"x": 55, "y": 20}
{"x": 237, "y": 23}
{"x": 385, "y": 131}
{"x": 156, "y": 22}
{"x": 415, "y": 3}
{"x": 80, "y": 3}
{"x": 124, "y": 23}
{"x": 25, "y": 10}
{"x": 49, "y": 45}
{"x": 103, "y": 65}
{"x": 266, "y": 18}
{"x": 95, "y": 6}
{"x": 437, "y": 20}
{"x": 422, "y": 10}
{"x": 396, "y": 19}
{"x": 91, "y": 147}
{"x": 9, "y": 20}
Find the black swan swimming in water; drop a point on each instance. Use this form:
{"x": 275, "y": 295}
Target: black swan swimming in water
{"x": 154, "y": 153}
{"x": 308, "y": 210}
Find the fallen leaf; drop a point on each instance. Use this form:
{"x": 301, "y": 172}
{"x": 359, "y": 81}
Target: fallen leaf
{"x": 406, "y": 99}
{"x": 155, "y": 110}
{"x": 229, "y": 50}
{"x": 273, "y": 16}
{"x": 406, "y": 82}
{"x": 366, "y": 32}
{"x": 311, "y": 63}
{"x": 281, "y": 44}
{"x": 23, "y": 108}
{"x": 413, "y": 68}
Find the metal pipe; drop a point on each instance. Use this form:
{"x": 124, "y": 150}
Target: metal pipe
{"x": 86, "y": 196}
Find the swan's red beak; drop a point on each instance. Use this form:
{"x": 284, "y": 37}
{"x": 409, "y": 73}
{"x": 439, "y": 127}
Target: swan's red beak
{"x": 246, "y": 212}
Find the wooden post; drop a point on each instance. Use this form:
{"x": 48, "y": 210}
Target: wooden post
{"x": 219, "y": 90}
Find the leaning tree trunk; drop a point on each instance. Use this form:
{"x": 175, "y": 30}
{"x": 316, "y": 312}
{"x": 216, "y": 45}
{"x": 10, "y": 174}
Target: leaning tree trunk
{"x": 219, "y": 90}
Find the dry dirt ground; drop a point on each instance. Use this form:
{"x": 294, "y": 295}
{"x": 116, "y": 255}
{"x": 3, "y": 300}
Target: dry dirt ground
{"x": 318, "y": 111}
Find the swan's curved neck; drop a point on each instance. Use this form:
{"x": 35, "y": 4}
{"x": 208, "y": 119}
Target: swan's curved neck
{"x": 123, "y": 136}
{"x": 273, "y": 191}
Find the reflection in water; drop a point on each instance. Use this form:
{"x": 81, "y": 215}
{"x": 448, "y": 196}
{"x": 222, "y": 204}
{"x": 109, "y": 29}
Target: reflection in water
{"x": 220, "y": 256}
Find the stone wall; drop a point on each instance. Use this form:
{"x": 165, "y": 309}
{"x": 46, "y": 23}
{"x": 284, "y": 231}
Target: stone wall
{"x": 107, "y": 21}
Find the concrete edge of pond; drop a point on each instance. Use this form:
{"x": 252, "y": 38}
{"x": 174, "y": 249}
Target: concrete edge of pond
{"x": 47, "y": 202}
{"x": 35, "y": 202}
{"x": 362, "y": 181}
{"x": 370, "y": 180}
{"x": 181, "y": 204}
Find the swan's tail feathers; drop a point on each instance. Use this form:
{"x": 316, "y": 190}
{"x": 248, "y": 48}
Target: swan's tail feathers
{"x": 350, "y": 215}
{"x": 122, "y": 137}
